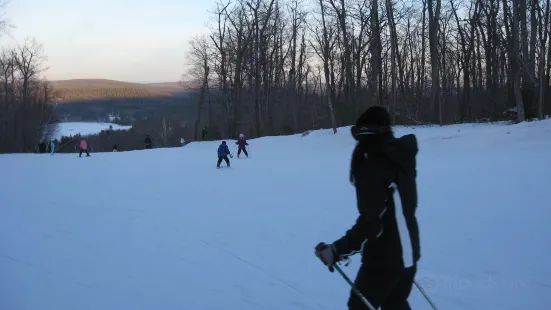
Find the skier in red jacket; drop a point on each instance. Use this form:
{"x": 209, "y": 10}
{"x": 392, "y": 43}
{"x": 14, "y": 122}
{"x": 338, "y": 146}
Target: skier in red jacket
{"x": 242, "y": 142}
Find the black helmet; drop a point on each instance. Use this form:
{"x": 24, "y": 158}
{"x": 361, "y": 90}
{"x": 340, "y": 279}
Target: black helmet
{"x": 374, "y": 121}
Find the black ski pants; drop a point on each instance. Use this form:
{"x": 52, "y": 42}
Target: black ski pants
{"x": 244, "y": 151}
{"x": 83, "y": 150}
{"x": 385, "y": 288}
{"x": 224, "y": 158}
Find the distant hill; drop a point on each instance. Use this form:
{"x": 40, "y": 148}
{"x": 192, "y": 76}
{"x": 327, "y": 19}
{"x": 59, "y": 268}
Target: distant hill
{"x": 168, "y": 85}
{"x": 101, "y": 100}
{"x": 93, "y": 89}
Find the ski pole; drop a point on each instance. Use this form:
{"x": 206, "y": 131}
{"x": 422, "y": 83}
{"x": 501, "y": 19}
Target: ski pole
{"x": 354, "y": 288}
{"x": 425, "y": 295}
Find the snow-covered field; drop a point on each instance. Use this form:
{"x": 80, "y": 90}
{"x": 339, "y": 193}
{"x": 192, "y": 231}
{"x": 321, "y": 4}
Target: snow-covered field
{"x": 164, "y": 229}
{"x": 84, "y": 128}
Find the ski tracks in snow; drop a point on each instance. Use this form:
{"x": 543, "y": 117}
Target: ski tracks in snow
{"x": 254, "y": 266}
{"x": 263, "y": 271}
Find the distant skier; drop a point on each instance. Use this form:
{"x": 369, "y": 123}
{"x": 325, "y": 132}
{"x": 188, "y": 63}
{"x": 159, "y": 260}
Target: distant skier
{"x": 223, "y": 152}
{"x": 242, "y": 143}
{"x": 182, "y": 141}
{"x": 83, "y": 148}
{"x": 52, "y": 147}
{"x": 147, "y": 142}
{"x": 383, "y": 171}
{"x": 115, "y": 148}
{"x": 203, "y": 133}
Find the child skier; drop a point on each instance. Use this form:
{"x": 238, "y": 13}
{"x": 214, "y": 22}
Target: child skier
{"x": 223, "y": 152}
{"x": 242, "y": 142}
{"x": 83, "y": 148}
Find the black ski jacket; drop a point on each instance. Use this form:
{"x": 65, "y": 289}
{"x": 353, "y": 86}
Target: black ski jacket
{"x": 383, "y": 171}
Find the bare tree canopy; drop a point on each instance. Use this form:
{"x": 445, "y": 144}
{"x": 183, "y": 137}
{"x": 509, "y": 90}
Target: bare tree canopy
{"x": 27, "y": 114}
{"x": 285, "y": 66}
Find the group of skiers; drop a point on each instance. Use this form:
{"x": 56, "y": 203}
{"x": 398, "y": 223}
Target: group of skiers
{"x": 83, "y": 144}
{"x": 224, "y": 151}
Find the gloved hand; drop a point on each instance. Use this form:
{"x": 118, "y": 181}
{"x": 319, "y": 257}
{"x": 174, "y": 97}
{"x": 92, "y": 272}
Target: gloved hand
{"x": 327, "y": 254}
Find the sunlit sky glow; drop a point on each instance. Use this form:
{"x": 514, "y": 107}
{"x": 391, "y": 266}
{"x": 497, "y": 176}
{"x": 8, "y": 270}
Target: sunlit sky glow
{"x": 128, "y": 40}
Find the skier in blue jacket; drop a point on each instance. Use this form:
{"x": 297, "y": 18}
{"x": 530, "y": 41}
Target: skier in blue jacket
{"x": 223, "y": 152}
{"x": 52, "y": 147}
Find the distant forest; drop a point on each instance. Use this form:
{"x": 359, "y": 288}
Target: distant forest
{"x": 127, "y": 111}
{"x": 272, "y": 67}
{"x": 164, "y": 119}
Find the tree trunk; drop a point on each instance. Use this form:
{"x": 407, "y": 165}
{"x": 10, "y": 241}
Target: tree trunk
{"x": 375, "y": 53}
{"x": 434, "y": 20}
{"x": 393, "y": 52}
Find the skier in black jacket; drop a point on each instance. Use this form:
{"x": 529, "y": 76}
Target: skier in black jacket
{"x": 383, "y": 171}
{"x": 147, "y": 142}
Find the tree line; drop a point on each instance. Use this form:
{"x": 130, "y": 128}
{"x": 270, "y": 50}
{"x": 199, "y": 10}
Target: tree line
{"x": 27, "y": 115}
{"x": 163, "y": 132}
{"x": 284, "y": 66}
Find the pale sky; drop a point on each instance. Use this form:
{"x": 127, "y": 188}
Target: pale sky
{"x": 128, "y": 40}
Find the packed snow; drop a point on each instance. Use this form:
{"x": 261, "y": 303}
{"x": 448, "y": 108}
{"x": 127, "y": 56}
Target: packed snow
{"x": 84, "y": 128}
{"x": 164, "y": 229}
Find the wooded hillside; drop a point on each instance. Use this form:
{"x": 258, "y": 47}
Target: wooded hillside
{"x": 93, "y": 89}
{"x": 284, "y": 66}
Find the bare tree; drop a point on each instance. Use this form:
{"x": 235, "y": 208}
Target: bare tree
{"x": 543, "y": 33}
{"x": 199, "y": 60}
{"x": 29, "y": 61}
{"x": 434, "y": 26}
{"x": 376, "y": 68}
{"x": 165, "y": 131}
{"x": 4, "y": 21}
{"x": 323, "y": 46}
{"x": 28, "y": 116}
{"x": 511, "y": 19}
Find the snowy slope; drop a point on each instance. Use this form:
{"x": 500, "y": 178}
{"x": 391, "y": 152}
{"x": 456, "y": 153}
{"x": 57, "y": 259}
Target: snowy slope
{"x": 84, "y": 128}
{"x": 164, "y": 229}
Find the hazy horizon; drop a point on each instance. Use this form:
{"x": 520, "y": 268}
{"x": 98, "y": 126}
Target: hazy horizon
{"x": 126, "y": 40}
